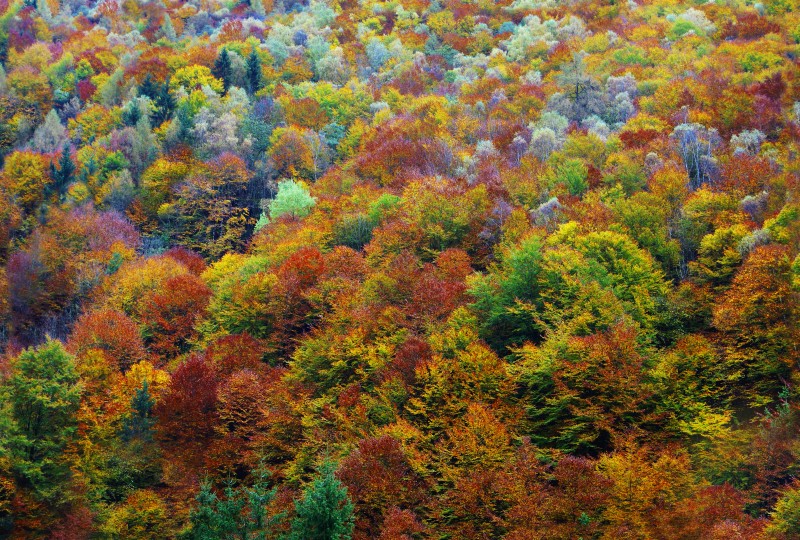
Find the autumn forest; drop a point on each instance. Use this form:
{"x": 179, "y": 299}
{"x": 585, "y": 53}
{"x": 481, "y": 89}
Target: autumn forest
{"x": 400, "y": 269}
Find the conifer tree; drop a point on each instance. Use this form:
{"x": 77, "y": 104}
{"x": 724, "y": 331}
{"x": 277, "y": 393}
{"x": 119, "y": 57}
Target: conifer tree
{"x": 140, "y": 422}
{"x": 325, "y": 512}
{"x": 43, "y": 7}
{"x": 258, "y": 8}
{"x": 63, "y": 174}
{"x": 240, "y": 514}
{"x": 254, "y": 72}
{"x": 222, "y": 69}
{"x": 164, "y": 103}
{"x": 149, "y": 87}
{"x": 169, "y": 29}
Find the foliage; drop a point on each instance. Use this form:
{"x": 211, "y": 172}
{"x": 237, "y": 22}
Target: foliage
{"x": 292, "y": 200}
{"x": 325, "y": 511}
{"x": 240, "y": 514}
{"x": 43, "y": 393}
{"x": 522, "y": 269}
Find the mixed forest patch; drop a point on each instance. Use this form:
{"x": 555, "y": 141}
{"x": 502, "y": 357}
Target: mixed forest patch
{"x": 403, "y": 269}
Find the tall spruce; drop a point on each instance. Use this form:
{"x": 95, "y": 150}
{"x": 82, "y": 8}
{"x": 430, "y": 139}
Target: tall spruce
{"x": 240, "y": 514}
{"x": 222, "y": 69}
{"x": 325, "y": 512}
{"x": 254, "y": 80}
{"x": 149, "y": 87}
{"x": 63, "y": 174}
{"x": 140, "y": 421}
{"x": 165, "y": 105}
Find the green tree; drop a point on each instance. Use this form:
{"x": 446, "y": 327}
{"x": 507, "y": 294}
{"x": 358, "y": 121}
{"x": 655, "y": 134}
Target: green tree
{"x": 258, "y": 8}
{"x": 63, "y": 174}
{"x": 241, "y": 514}
{"x": 164, "y": 104}
{"x": 169, "y": 29}
{"x": 140, "y": 421}
{"x": 149, "y": 87}
{"x": 786, "y": 517}
{"x": 574, "y": 174}
{"x": 506, "y": 295}
{"x": 222, "y": 69}
{"x": 325, "y": 511}
{"x": 44, "y": 394}
{"x": 254, "y": 72}
{"x": 292, "y": 199}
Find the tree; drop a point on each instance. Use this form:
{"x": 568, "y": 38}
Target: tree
{"x": 499, "y": 295}
{"x": 25, "y": 177}
{"x": 164, "y": 104}
{"x": 582, "y": 96}
{"x": 149, "y": 87}
{"x": 51, "y": 135}
{"x": 187, "y": 411}
{"x": 258, "y": 7}
{"x": 758, "y": 318}
{"x": 786, "y": 517}
{"x": 143, "y": 516}
{"x": 696, "y": 144}
{"x": 291, "y": 153}
{"x": 63, "y": 174}
{"x": 113, "y": 333}
{"x": 139, "y": 423}
{"x": 212, "y": 212}
{"x": 43, "y": 7}
{"x": 169, "y": 29}
{"x": 293, "y": 200}
{"x": 254, "y": 77}
{"x": 222, "y": 69}
{"x": 379, "y": 479}
{"x": 44, "y": 394}
{"x": 584, "y": 392}
{"x": 240, "y": 515}
{"x": 168, "y": 317}
{"x": 325, "y": 511}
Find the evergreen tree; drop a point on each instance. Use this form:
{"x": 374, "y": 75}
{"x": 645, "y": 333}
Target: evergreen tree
{"x": 169, "y": 29}
{"x": 43, "y": 7}
{"x": 149, "y": 87}
{"x": 164, "y": 103}
{"x": 63, "y": 174}
{"x": 325, "y": 512}
{"x": 140, "y": 422}
{"x": 240, "y": 514}
{"x": 254, "y": 72}
{"x": 258, "y": 8}
{"x": 44, "y": 394}
{"x": 222, "y": 69}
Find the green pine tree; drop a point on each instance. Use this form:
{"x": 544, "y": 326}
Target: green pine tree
{"x": 222, "y": 69}
{"x": 258, "y": 8}
{"x": 169, "y": 29}
{"x": 164, "y": 103}
{"x": 63, "y": 174}
{"x": 325, "y": 512}
{"x": 140, "y": 421}
{"x": 254, "y": 72}
{"x": 240, "y": 514}
{"x": 149, "y": 87}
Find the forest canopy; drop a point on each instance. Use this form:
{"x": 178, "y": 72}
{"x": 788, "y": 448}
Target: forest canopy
{"x": 400, "y": 270}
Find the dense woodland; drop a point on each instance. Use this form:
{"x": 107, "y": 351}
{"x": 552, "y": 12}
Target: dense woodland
{"x": 403, "y": 269}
